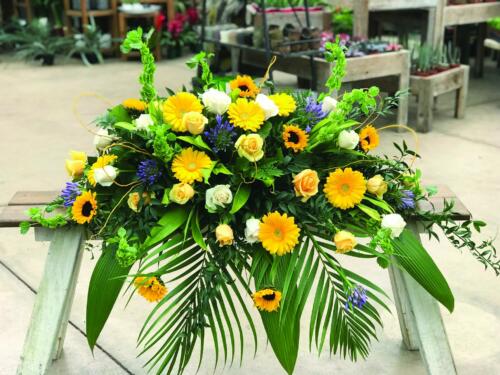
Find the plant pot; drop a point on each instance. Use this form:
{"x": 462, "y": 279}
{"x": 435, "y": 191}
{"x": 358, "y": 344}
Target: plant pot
{"x": 174, "y": 51}
{"x": 47, "y": 59}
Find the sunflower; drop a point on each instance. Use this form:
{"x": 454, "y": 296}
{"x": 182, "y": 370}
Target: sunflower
{"x": 368, "y": 138}
{"x": 246, "y": 115}
{"x": 295, "y": 138}
{"x": 134, "y": 105}
{"x": 278, "y": 233}
{"x": 345, "y": 188}
{"x": 101, "y": 162}
{"x": 267, "y": 299}
{"x": 188, "y": 164}
{"x": 285, "y": 103}
{"x": 247, "y": 87}
{"x": 84, "y": 207}
{"x": 176, "y": 106}
{"x": 151, "y": 288}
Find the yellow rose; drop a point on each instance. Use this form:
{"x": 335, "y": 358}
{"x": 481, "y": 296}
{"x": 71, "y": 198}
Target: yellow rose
{"x": 377, "y": 186}
{"x": 250, "y": 147}
{"x": 306, "y": 184}
{"x": 194, "y": 122}
{"x": 181, "y": 193}
{"x": 224, "y": 235}
{"x": 345, "y": 241}
{"x": 134, "y": 199}
{"x": 76, "y": 164}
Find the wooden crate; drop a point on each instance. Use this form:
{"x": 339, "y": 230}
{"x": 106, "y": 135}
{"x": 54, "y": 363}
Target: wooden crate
{"x": 430, "y": 87}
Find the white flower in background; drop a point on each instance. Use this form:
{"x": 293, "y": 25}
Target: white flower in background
{"x": 43, "y": 21}
{"x": 268, "y": 106}
{"x": 395, "y": 223}
{"x": 252, "y": 230}
{"x": 218, "y": 196}
{"x": 348, "y": 139}
{"x": 216, "y": 101}
{"x": 102, "y": 139}
{"x": 106, "y": 175}
{"x": 143, "y": 122}
{"x": 328, "y": 104}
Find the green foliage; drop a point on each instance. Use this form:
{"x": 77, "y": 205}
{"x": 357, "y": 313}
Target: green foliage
{"x": 201, "y": 61}
{"x": 134, "y": 41}
{"x": 334, "y": 54}
{"x": 38, "y": 215}
{"x": 126, "y": 254}
{"x": 88, "y": 43}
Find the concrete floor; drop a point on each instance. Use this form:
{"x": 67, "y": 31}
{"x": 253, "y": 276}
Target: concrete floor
{"x": 38, "y": 129}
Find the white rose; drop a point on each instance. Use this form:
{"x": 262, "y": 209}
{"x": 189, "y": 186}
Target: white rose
{"x": 216, "y": 101}
{"x": 252, "y": 230}
{"x": 268, "y": 106}
{"x": 328, "y": 104}
{"x": 395, "y": 223}
{"x": 102, "y": 139}
{"x": 143, "y": 122}
{"x": 218, "y": 196}
{"x": 106, "y": 175}
{"x": 348, "y": 139}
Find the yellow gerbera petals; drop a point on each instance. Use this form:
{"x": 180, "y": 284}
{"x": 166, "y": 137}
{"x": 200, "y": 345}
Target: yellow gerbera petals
{"x": 188, "y": 165}
{"x": 84, "y": 207}
{"x": 278, "y": 233}
{"x": 248, "y": 89}
{"x": 176, "y": 106}
{"x": 345, "y": 188}
{"x": 267, "y": 299}
{"x": 369, "y": 138}
{"x": 295, "y": 138}
{"x": 151, "y": 288}
{"x": 285, "y": 103}
{"x": 134, "y": 105}
{"x": 245, "y": 114}
{"x": 101, "y": 162}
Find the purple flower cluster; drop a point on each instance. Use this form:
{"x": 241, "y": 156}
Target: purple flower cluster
{"x": 69, "y": 193}
{"x": 407, "y": 200}
{"x": 148, "y": 171}
{"x": 357, "y": 298}
{"x": 221, "y": 136}
{"x": 314, "y": 112}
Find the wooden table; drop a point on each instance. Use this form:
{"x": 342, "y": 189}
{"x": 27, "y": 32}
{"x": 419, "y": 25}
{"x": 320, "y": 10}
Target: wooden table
{"x": 419, "y": 316}
{"x": 371, "y": 67}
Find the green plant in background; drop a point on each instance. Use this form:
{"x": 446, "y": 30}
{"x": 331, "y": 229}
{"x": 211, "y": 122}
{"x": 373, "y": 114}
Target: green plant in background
{"x": 424, "y": 58}
{"x": 342, "y": 21}
{"x": 35, "y": 41}
{"x": 494, "y": 23}
{"x": 51, "y": 9}
{"x": 88, "y": 43}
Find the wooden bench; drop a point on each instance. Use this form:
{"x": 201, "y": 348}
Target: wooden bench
{"x": 419, "y": 316}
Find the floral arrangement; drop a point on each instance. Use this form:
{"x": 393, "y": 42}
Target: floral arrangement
{"x": 236, "y": 197}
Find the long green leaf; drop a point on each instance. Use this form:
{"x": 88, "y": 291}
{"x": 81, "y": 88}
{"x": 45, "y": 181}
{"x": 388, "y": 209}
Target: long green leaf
{"x": 240, "y": 198}
{"x": 169, "y": 223}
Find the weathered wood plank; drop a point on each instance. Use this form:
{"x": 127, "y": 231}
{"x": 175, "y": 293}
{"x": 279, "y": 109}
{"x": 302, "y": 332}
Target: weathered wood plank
{"x": 33, "y": 198}
{"x": 470, "y": 13}
{"x": 53, "y": 301}
{"x": 436, "y": 203}
{"x": 11, "y": 216}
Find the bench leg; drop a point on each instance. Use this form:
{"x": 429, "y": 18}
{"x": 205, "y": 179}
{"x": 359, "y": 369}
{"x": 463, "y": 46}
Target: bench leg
{"x": 424, "y": 110}
{"x": 461, "y": 95}
{"x": 49, "y": 319}
{"x": 404, "y": 85}
{"x": 421, "y": 323}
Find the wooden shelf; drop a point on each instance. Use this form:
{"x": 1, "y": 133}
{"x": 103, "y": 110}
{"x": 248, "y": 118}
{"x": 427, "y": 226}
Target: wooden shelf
{"x": 91, "y": 13}
{"x": 400, "y": 4}
{"x": 470, "y": 13}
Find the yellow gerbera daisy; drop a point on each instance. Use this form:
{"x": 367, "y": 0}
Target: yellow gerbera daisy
{"x": 245, "y": 114}
{"x": 248, "y": 89}
{"x": 345, "y": 188}
{"x": 188, "y": 164}
{"x": 295, "y": 138}
{"x": 135, "y": 105}
{"x": 267, "y": 299}
{"x": 176, "y": 106}
{"x": 285, "y": 103}
{"x": 151, "y": 288}
{"x": 84, "y": 207}
{"x": 101, "y": 162}
{"x": 278, "y": 233}
{"x": 369, "y": 138}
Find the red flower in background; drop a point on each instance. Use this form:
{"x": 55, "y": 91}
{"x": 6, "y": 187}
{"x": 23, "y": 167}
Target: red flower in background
{"x": 175, "y": 27}
{"x": 159, "y": 21}
{"x": 192, "y": 15}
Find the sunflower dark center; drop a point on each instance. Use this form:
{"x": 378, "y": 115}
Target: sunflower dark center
{"x": 293, "y": 137}
{"x": 86, "y": 209}
{"x": 243, "y": 87}
{"x": 269, "y": 297}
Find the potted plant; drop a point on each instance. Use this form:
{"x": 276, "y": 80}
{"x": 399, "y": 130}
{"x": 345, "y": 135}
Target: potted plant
{"x": 88, "y": 45}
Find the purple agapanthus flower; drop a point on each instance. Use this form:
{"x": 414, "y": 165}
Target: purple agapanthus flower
{"x": 221, "y": 136}
{"x": 148, "y": 171}
{"x": 313, "y": 110}
{"x": 407, "y": 200}
{"x": 69, "y": 193}
{"x": 357, "y": 298}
